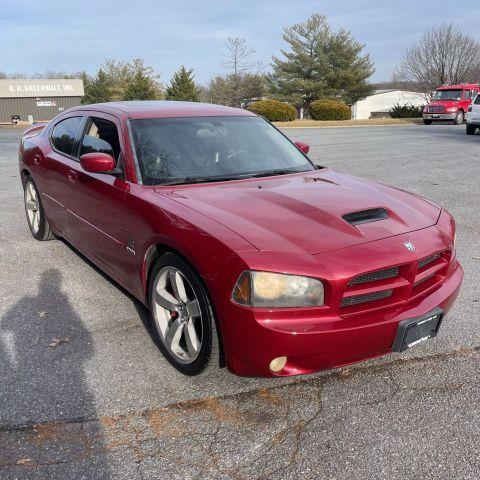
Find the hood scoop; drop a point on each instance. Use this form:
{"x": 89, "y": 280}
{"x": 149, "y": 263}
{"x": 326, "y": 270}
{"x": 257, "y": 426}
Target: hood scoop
{"x": 366, "y": 216}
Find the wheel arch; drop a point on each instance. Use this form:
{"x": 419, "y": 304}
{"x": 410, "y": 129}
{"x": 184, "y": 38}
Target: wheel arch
{"x": 153, "y": 253}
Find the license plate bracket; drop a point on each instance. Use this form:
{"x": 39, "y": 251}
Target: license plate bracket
{"x": 413, "y": 331}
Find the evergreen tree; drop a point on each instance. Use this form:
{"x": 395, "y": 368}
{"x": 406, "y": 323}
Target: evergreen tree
{"x": 320, "y": 63}
{"x": 182, "y": 86}
{"x": 142, "y": 85}
{"x": 98, "y": 89}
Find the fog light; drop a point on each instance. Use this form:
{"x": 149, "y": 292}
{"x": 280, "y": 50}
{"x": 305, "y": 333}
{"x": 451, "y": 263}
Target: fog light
{"x": 277, "y": 364}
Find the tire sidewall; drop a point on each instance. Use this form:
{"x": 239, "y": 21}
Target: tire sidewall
{"x": 42, "y": 227}
{"x": 459, "y": 118}
{"x": 470, "y": 129}
{"x": 199, "y": 364}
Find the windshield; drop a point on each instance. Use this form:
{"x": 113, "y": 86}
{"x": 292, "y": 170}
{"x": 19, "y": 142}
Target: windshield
{"x": 448, "y": 95}
{"x": 196, "y": 149}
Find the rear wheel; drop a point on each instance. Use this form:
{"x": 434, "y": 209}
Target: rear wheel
{"x": 470, "y": 129}
{"x": 183, "y": 317}
{"x": 37, "y": 221}
{"x": 427, "y": 122}
{"x": 459, "y": 117}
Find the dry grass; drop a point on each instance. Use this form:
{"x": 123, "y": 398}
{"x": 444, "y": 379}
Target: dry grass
{"x": 349, "y": 123}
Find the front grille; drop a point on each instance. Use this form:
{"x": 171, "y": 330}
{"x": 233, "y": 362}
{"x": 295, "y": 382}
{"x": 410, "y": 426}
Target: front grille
{"x": 369, "y": 297}
{"x": 436, "y": 109}
{"x": 374, "y": 276}
{"x": 392, "y": 286}
{"x": 425, "y": 261}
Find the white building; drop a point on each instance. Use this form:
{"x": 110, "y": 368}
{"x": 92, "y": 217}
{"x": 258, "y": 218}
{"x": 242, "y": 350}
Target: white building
{"x": 379, "y": 104}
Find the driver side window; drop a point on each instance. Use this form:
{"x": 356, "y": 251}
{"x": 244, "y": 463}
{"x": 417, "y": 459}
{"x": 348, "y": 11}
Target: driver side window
{"x": 102, "y": 136}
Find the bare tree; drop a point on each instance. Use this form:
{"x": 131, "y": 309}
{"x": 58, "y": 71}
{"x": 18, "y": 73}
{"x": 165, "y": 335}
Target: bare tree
{"x": 238, "y": 56}
{"x": 237, "y": 60}
{"x": 444, "y": 55}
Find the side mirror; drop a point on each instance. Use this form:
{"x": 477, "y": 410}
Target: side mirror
{"x": 97, "y": 162}
{"x": 303, "y": 147}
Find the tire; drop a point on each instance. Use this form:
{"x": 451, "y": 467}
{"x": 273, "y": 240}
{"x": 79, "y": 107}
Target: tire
{"x": 36, "y": 218}
{"x": 427, "y": 122}
{"x": 470, "y": 129}
{"x": 459, "y": 118}
{"x": 182, "y": 316}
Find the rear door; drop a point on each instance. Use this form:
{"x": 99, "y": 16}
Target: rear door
{"x": 95, "y": 209}
{"x": 59, "y": 155}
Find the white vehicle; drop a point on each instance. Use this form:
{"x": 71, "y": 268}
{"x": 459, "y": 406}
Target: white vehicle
{"x": 473, "y": 116}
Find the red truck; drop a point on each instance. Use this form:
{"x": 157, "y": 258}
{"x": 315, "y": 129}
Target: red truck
{"x": 450, "y": 102}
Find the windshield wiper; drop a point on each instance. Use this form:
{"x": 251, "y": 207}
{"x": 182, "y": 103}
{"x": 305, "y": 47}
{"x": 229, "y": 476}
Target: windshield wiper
{"x": 272, "y": 173}
{"x": 225, "y": 178}
{"x": 193, "y": 179}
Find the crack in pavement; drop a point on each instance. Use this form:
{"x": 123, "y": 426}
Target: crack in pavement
{"x": 260, "y": 433}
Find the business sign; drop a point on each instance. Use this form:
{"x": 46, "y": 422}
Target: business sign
{"x": 51, "y": 88}
{"x": 46, "y": 103}
{"x": 12, "y": 88}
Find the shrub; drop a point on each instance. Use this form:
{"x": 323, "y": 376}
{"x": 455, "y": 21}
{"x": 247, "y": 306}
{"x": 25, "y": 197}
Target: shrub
{"x": 328, "y": 109}
{"x": 406, "y": 111}
{"x": 274, "y": 110}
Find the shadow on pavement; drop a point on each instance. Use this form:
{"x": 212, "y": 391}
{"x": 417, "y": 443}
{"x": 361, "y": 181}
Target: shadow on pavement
{"x": 44, "y": 348}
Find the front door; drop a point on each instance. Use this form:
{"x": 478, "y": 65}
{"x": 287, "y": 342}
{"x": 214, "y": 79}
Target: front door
{"x": 95, "y": 209}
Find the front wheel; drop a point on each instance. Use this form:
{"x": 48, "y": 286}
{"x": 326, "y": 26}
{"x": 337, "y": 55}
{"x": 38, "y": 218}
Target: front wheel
{"x": 470, "y": 129}
{"x": 427, "y": 122}
{"x": 459, "y": 117}
{"x": 37, "y": 221}
{"x": 182, "y": 316}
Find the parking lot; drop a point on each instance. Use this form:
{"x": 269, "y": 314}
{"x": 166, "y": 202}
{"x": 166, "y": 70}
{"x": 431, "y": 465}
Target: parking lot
{"x": 84, "y": 392}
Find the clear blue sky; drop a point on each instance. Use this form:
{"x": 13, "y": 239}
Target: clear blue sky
{"x": 74, "y": 35}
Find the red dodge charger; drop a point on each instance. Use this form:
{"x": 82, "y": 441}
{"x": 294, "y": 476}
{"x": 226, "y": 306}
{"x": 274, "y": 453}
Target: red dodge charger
{"x": 246, "y": 253}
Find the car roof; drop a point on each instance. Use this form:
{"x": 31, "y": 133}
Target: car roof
{"x": 165, "y": 109}
{"x": 460, "y": 86}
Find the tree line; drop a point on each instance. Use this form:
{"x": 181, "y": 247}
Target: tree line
{"x": 317, "y": 62}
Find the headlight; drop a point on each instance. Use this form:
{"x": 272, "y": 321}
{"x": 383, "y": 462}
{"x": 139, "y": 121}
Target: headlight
{"x": 265, "y": 289}
{"x": 452, "y": 109}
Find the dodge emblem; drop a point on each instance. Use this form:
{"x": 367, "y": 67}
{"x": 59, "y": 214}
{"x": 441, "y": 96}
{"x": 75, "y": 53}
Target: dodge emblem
{"x": 409, "y": 246}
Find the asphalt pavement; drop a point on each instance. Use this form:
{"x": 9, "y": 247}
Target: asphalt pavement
{"x": 84, "y": 392}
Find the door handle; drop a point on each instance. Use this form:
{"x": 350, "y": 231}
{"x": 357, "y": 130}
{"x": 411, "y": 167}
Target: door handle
{"x": 37, "y": 159}
{"x": 72, "y": 176}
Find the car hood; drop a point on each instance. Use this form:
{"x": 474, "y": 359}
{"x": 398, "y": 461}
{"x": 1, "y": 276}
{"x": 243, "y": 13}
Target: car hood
{"x": 303, "y": 213}
{"x": 444, "y": 103}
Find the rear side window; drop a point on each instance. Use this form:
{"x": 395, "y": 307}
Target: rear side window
{"x": 65, "y": 134}
{"x": 477, "y": 99}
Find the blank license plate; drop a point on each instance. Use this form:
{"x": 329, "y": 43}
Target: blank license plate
{"x": 413, "y": 331}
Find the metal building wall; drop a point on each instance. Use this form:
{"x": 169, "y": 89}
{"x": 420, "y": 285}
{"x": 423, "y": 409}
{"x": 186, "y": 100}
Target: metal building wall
{"x": 33, "y": 106}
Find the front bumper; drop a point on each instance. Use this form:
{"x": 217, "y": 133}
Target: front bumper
{"x": 439, "y": 116}
{"x": 473, "y": 118}
{"x": 323, "y": 338}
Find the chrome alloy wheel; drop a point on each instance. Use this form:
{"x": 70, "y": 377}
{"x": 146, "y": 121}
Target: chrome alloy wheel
{"x": 177, "y": 314}
{"x": 32, "y": 206}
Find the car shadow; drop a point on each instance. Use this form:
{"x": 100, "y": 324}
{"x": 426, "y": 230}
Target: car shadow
{"x": 142, "y": 311}
{"x": 44, "y": 351}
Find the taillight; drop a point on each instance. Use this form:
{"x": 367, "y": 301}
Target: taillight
{"x": 469, "y": 108}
